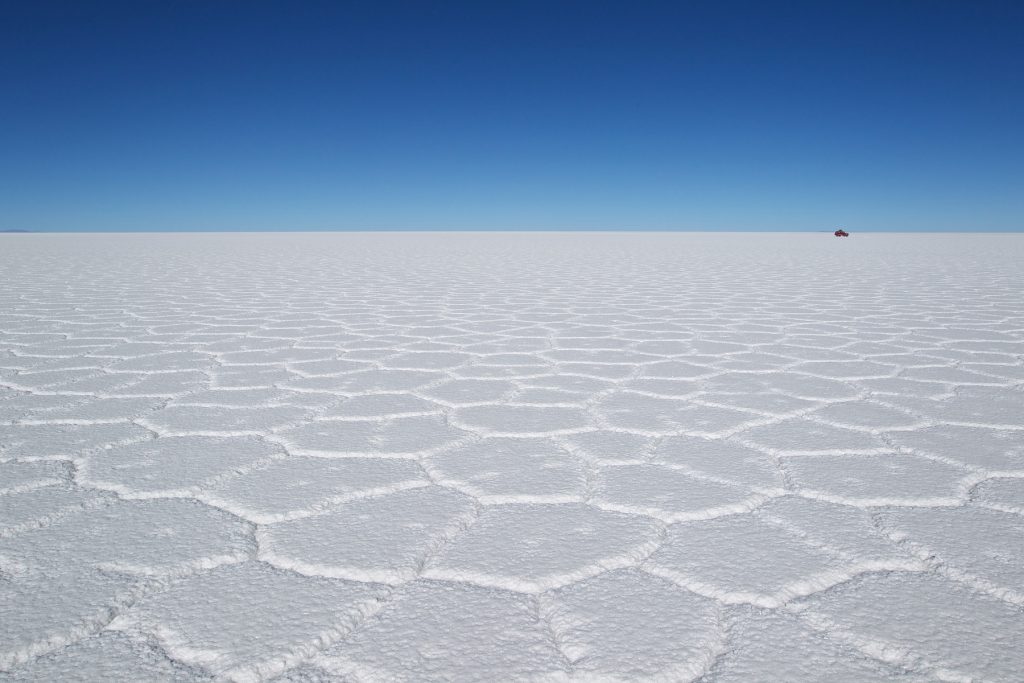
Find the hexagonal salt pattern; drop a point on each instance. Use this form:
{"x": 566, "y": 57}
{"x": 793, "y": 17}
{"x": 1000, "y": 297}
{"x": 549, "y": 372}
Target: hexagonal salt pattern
{"x": 511, "y": 457}
{"x": 248, "y": 620}
{"x": 543, "y": 546}
{"x": 107, "y": 656}
{"x": 629, "y": 625}
{"x": 925, "y": 623}
{"x": 439, "y": 631}
{"x": 772, "y": 645}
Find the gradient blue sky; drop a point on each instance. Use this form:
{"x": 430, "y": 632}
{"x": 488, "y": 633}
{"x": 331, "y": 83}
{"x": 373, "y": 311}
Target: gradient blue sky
{"x": 236, "y": 115}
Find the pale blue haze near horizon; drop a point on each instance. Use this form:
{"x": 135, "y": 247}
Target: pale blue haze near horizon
{"x": 461, "y": 116}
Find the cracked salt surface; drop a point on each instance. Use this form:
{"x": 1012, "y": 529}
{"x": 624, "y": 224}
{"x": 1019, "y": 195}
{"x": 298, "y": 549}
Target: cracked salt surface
{"x": 362, "y": 457}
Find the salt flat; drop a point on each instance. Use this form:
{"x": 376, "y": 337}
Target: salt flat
{"x": 361, "y": 457}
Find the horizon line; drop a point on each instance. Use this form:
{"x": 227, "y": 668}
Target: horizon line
{"x": 512, "y": 230}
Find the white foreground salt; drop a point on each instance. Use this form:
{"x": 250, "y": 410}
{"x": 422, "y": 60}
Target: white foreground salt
{"x": 415, "y": 457}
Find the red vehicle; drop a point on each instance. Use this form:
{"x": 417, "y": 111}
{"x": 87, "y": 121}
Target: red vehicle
{"x": 841, "y": 233}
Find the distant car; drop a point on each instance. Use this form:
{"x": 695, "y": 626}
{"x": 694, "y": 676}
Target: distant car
{"x": 841, "y": 233}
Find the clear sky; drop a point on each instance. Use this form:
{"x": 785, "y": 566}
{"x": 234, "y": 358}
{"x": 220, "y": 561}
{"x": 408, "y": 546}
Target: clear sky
{"x": 718, "y": 115}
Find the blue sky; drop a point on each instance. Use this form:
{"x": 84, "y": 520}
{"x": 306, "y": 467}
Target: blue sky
{"x": 249, "y": 115}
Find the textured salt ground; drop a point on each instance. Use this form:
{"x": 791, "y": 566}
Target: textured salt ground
{"x": 359, "y": 457}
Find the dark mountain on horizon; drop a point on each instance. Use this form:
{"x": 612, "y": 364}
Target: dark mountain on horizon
{"x": 15, "y": 231}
